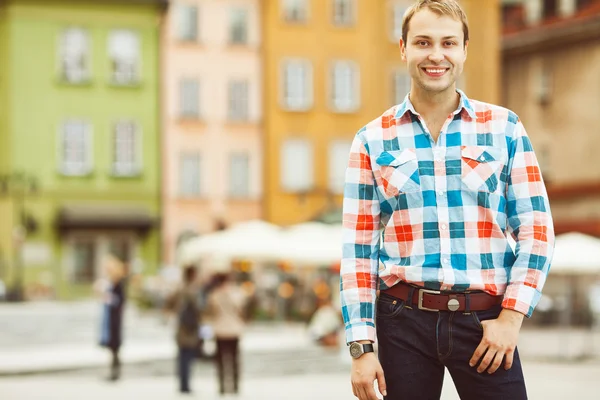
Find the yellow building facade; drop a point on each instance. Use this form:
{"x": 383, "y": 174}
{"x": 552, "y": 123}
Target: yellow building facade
{"x": 331, "y": 66}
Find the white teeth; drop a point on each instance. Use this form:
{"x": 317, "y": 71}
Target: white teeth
{"x": 436, "y": 71}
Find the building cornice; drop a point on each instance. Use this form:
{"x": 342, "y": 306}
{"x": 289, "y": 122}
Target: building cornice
{"x": 551, "y": 36}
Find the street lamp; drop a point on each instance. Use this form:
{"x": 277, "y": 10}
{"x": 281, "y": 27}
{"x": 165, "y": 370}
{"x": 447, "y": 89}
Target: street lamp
{"x": 18, "y": 185}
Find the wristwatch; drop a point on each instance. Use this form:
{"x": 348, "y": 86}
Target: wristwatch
{"x": 358, "y": 349}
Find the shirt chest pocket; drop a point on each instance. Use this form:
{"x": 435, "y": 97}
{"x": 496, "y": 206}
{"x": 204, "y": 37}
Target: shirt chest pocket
{"x": 481, "y": 167}
{"x": 398, "y": 172}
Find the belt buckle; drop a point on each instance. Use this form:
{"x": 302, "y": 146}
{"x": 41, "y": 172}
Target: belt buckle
{"x": 421, "y": 293}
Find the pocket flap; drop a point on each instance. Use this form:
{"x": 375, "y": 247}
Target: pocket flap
{"x": 482, "y": 154}
{"x": 395, "y": 158}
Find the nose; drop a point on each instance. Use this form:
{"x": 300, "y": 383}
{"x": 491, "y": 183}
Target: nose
{"x": 436, "y": 55}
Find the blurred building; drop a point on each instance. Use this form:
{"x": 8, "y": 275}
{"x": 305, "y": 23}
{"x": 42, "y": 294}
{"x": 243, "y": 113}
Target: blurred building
{"x": 551, "y": 52}
{"x": 79, "y": 139}
{"x": 331, "y": 66}
{"x": 211, "y": 117}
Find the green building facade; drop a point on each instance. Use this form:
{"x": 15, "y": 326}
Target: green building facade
{"x": 79, "y": 141}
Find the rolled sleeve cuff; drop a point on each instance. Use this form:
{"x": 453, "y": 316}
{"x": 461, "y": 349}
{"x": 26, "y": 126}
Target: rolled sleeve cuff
{"x": 521, "y": 298}
{"x": 362, "y": 331}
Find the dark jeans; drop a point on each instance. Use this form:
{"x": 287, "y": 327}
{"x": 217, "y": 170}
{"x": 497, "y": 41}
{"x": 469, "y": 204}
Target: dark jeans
{"x": 185, "y": 359}
{"x": 228, "y": 364}
{"x": 415, "y": 346}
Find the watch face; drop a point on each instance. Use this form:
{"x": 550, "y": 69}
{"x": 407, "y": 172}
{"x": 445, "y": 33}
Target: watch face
{"x": 356, "y": 350}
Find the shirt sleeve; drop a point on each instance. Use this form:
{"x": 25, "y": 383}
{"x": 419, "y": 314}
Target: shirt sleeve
{"x": 360, "y": 253}
{"x": 530, "y": 224}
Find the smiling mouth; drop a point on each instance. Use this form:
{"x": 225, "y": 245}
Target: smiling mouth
{"x": 435, "y": 72}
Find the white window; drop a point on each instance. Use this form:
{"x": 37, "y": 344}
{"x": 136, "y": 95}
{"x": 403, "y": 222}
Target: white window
{"x": 189, "y": 98}
{"x": 190, "y": 175}
{"x": 400, "y": 85}
{"x": 238, "y": 101}
{"x": 397, "y": 16}
{"x": 126, "y": 148}
{"x": 343, "y": 12}
{"x": 297, "y": 85}
{"x": 239, "y": 175}
{"x": 345, "y": 86}
{"x": 75, "y": 55}
{"x": 295, "y": 10}
{"x": 76, "y": 148}
{"x": 187, "y": 22}
{"x": 124, "y": 54}
{"x": 339, "y": 151}
{"x": 297, "y": 166}
{"x": 238, "y": 30}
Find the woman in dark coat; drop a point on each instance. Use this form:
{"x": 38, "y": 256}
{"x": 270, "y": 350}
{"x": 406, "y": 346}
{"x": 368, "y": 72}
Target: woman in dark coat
{"x": 112, "y": 316}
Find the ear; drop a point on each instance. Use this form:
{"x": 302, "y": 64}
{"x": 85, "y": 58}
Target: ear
{"x": 402, "y": 49}
{"x": 466, "y": 46}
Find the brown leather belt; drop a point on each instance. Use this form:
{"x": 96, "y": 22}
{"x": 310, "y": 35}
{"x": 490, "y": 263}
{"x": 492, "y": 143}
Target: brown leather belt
{"x": 434, "y": 300}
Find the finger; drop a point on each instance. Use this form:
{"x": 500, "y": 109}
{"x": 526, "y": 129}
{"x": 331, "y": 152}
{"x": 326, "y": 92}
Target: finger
{"x": 362, "y": 393}
{"x": 479, "y": 352}
{"x": 487, "y": 360}
{"x": 381, "y": 382}
{"x": 354, "y": 391}
{"x": 497, "y": 362}
{"x": 508, "y": 361}
{"x": 370, "y": 391}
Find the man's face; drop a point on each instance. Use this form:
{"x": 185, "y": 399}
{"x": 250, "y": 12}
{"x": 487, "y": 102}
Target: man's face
{"x": 434, "y": 51}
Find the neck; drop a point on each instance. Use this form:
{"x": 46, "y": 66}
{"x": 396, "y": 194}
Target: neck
{"x": 434, "y": 103}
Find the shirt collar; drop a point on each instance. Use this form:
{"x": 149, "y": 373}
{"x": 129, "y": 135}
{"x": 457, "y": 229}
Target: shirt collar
{"x": 464, "y": 103}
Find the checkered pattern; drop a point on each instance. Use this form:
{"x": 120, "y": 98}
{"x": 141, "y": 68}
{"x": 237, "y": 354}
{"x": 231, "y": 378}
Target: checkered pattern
{"x": 438, "y": 214}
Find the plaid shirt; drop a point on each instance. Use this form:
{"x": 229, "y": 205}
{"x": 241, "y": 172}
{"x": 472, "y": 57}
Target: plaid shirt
{"x": 438, "y": 214}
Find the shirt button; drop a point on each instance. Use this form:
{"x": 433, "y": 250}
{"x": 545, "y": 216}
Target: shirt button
{"x": 444, "y": 226}
{"x": 446, "y": 261}
{"x": 441, "y": 193}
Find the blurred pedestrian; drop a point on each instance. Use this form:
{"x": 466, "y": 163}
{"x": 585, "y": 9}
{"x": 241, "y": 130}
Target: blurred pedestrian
{"x": 226, "y": 308}
{"x": 325, "y": 324}
{"x": 112, "y": 290}
{"x": 186, "y": 303}
{"x": 435, "y": 186}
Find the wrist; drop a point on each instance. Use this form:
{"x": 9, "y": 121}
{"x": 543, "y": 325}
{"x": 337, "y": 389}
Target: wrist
{"x": 512, "y": 316}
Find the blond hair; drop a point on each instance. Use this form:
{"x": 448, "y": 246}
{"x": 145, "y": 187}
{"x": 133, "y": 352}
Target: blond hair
{"x": 449, "y": 8}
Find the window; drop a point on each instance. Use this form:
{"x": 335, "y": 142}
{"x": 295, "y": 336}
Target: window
{"x": 126, "y": 145}
{"x": 295, "y": 10}
{"x": 345, "y": 86}
{"x": 187, "y": 23}
{"x": 297, "y": 165}
{"x": 401, "y": 85}
{"x": 238, "y": 101}
{"x": 238, "y": 32}
{"x": 189, "y": 98}
{"x": 124, "y": 54}
{"x": 75, "y": 55}
{"x": 542, "y": 72}
{"x": 76, "y": 148}
{"x": 397, "y": 16}
{"x": 190, "y": 175}
{"x": 84, "y": 261}
{"x": 297, "y": 85}
{"x": 343, "y": 12}
{"x": 239, "y": 174}
{"x": 339, "y": 151}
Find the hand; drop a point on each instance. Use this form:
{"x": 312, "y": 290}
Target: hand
{"x": 500, "y": 338}
{"x": 365, "y": 370}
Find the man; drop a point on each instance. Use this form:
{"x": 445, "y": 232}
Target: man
{"x": 441, "y": 180}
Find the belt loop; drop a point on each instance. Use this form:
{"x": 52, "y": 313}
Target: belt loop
{"x": 411, "y": 293}
{"x": 467, "y": 303}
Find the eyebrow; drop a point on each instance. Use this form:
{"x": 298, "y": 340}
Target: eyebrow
{"x": 429, "y": 37}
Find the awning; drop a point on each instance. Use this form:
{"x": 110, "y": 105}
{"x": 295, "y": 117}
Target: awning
{"x": 105, "y": 217}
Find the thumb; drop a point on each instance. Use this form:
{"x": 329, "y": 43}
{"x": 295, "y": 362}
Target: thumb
{"x": 381, "y": 382}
